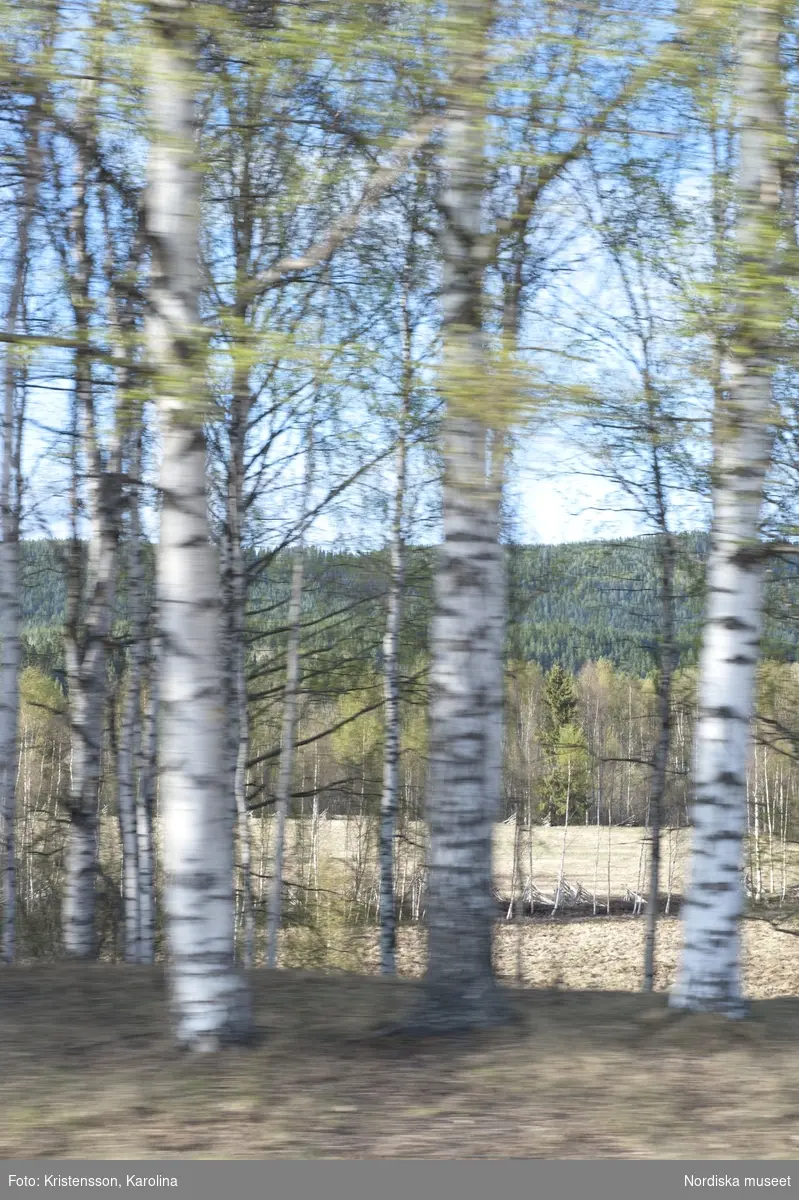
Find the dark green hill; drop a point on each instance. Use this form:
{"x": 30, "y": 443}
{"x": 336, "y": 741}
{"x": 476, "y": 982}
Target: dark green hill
{"x": 569, "y": 603}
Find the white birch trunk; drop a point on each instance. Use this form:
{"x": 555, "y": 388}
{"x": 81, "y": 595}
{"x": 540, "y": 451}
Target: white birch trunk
{"x": 709, "y": 976}
{"x": 210, "y": 997}
{"x": 466, "y": 671}
{"x": 668, "y": 657}
{"x": 244, "y": 221}
{"x": 91, "y": 600}
{"x": 145, "y": 809}
{"x": 130, "y": 736}
{"x": 391, "y": 744}
{"x": 236, "y": 599}
{"x": 86, "y": 649}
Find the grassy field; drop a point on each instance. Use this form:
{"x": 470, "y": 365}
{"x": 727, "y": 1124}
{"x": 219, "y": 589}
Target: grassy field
{"x": 588, "y": 954}
{"x": 600, "y": 859}
{"x": 86, "y": 1070}
{"x": 605, "y": 861}
{"x": 592, "y": 857}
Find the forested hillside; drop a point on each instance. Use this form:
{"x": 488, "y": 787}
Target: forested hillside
{"x": 569, "y": 604}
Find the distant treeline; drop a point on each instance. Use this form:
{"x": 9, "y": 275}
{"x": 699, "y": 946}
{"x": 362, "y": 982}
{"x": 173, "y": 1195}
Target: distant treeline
{"x": 569, "y": 604}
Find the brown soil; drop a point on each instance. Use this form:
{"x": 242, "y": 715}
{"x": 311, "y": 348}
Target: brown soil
{"x": 87, "y": 1069}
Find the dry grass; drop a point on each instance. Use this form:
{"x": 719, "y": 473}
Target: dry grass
{"x": 606, "y": 861}
{"x": 591, "y": 954}
{"x": 616, "y": 855}
{"x": 599, "y": 859}
{"x": 591, "y": 1069}
{"x": 87, "y": 1070}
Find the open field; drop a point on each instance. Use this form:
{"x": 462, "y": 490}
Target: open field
{"x": 601, "y": 859}
{"x": 590, "y": 954}
{"x": 87, "y": 1070}
{"x": 616, "y": 855}
{"x": 605, "y": 861}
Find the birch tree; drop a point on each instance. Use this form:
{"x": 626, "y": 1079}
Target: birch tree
{"x": 391, "y": 741}
{"x": 124, "y": 321}
{"x": 145, "y": 804}
{"x": 468, "y": 623}
{"x": 133, "y": 821}
{"x": 406, "y": 425}
{"x": 91, "y": 590}
{"x": 709, "y": 976}
{"x": 210, "y": 998}
{"x": 10, "y": 516}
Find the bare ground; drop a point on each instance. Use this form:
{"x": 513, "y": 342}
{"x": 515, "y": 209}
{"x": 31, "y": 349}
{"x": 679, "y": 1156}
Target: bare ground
{"x": 87, "y": 1069}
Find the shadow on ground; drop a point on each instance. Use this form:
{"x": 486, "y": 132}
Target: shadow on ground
{"x": 87, "y": 1069}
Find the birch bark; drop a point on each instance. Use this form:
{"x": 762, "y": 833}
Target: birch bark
{"x": 235, "y": 582}
{"x": 391, "y": 744}
{"x": 236, "y": 600}
{"x": 145, "y": 808}
{"x": 661, "y": 758}
{"x": 130, "y": 737}
{"x": 91, "y": 597}
{"x": 210, "y": 998}
{"x": 709, "y": 976}
{"x": 466, "y": 672}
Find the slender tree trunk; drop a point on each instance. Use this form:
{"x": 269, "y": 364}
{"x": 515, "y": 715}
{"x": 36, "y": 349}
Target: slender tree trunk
{"x": 286, "y": 767}
{"x": 391, "y": 749}
{"x": 244, "y": 219}
{"x": 769, "y": 812}
{"x": 236, "y": 595}
{"x": 145, "y": 809}
{"x": 784, "y": 834}
{"x": 561, "y": 871}
{"x": 709, "y": 976}
{"x": 315, "y": 828}
{"x": 210, "y": 997}
{"x": 129, "y": 737}
{"x": 10, "y": 609}
{"x": 661, "y": 759}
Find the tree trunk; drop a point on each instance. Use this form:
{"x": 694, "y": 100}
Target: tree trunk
{"x": 129, "y": 737}
{"x": 236, "y": 596}
{"x": 90, "y": 601}
{"x": 391, "y": 747}
{"x": 468, "y": 623}
{"x": 286, "y": 768}
{"x": 244, "y": 220}
{"x": 10, "y": 608}
{"x": 661, "y": 759}
{"x": 709, "y": 976}
{"x": 145, "y": 808}
{"x": 90, "y": 611}
{"x": 210, "y": 997}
